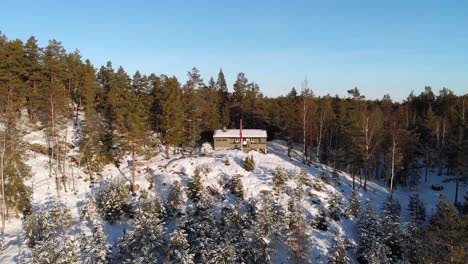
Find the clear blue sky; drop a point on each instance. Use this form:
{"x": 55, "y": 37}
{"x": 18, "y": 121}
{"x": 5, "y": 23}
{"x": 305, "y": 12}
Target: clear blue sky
{"x": 379, "y": 46}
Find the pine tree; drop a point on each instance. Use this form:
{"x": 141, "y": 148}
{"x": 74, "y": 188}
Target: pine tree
{"x": 337, "y": 251}
{"x": 174, "y": 199}
{"x": 34, "y": 73}
{"x": 448, "y": 234}
{"x": 90, "y": 144}
{"x": 203, "y": 233}
{"x": 209, "y": 107}
{"x": 371, "y": 247}
{"x": 179, "y": 248}
{"x": 416, "y": 209}
{"x": 270, "y": 219}
{"x": 145, "y": 242}
{"x": 57, "y": 249}
{"x": 393, "y": 236}
{"x": 223, "y": 96}
{"x": 354, "y": 205}
{"x": 168, "y": 111}
{"x": 299, "y": 241}
{"x": 112, "y": 200}
{"x": 279, "y": 178}
{"x": 130, "y": 121}
{"x": 191, "y": 106}
{"x": 195, "y": 187}
{"x": 95, "y": 249}
{"x": 335, "y": 207}
{"x": 249, "y": 163}
{"x": 237, "y": 187}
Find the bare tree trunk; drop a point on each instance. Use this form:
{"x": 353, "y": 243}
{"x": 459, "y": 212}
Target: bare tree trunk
{"x": 459, "y": 148}
{"x": 426, "y": 164}
{"x": 133, "y": 169}
{"x": 167, "y": 152}
{"x": 304, "y": 113}
{"x": 319, "y": 135}
{"x": 2, "y": 166}
{"x": 393, "y": 167}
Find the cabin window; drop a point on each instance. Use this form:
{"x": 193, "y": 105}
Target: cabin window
{"x": 252, "y": 140}
{"x": 237, "y": 140}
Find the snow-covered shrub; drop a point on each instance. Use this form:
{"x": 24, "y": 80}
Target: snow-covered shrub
{"x": 249, "y": 163}
{"x": 236, "y": 186}
{"x": 320, "y": 221}
{"x": 205, "y": 168}
{"x": 48, "y": 235}
{"x": 335, "y": 207}
{"x": 354, "y": 205}
{"x": 319, "y": 186}
{"x": 324, "y": 177}
{"x": 175, "y": 201}
{"x": 45, "y": 222}
{"x": 112, "y": 199}
{"x": 279, "y": 178}
{"x": 206, "y": 149}
{"x": 304, "y": 178}
{"x": 56, "y": 249}
{"x": 88, "y": 210}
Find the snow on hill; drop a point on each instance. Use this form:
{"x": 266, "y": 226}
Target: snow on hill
{"x": 257, "y": 184}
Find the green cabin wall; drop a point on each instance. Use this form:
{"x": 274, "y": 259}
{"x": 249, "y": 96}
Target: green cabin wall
{"x": 229, "y": 143}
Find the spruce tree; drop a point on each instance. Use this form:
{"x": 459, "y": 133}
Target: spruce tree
{"x": 371, "y": 246}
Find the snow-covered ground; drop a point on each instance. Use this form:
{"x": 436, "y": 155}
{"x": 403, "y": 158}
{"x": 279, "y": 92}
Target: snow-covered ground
{"x": 179, "y": 168}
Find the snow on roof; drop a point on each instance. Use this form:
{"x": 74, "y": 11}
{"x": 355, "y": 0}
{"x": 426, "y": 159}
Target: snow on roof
{"x": 246, "y": 133}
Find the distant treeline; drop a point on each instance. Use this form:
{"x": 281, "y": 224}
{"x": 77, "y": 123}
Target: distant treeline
{"x": 145, "y": 113}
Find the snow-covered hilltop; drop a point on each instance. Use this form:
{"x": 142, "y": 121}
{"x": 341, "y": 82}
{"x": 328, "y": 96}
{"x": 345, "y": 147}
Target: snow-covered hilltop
{"x": 209, "y": 208}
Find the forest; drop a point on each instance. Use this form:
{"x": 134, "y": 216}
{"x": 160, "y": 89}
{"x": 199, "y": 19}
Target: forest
{"x": 119, "y": 114}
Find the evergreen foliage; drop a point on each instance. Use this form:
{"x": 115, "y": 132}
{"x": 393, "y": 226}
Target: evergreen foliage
{"x": 392, "y": 234}
{"x": 195, "y": 187}
{"x": 371, "y": 246}
{"x": 416, "y": 209}
{"x": 112, "y": 199}
{"x": 179, "y": 248}
{"x": 145, "y": 243}
{"x": 354, "y": 205}
{"x": 237, "y": 187}
{"x": 448, "y": 234}
{"x": 175, "y": 201}
{"x": 279, "y": 178}
{"x": 249, "y": 163}
{"x": 337, "y": 251}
